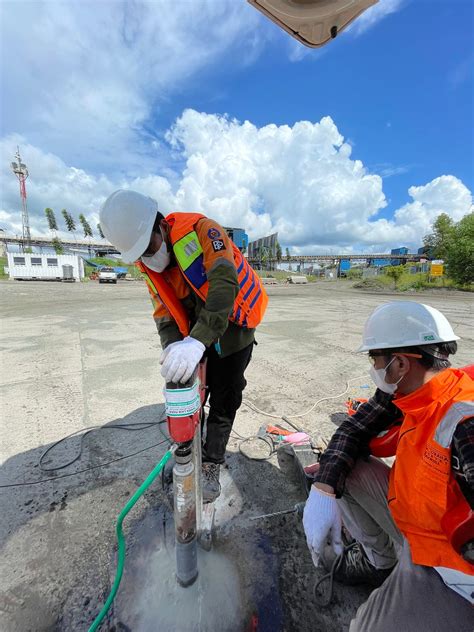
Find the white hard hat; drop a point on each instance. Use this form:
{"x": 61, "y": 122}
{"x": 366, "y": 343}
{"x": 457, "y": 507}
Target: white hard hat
{"x": 405, "y": 324}
{"x": 312, "y": 22}
{"x": 127, "y": 219}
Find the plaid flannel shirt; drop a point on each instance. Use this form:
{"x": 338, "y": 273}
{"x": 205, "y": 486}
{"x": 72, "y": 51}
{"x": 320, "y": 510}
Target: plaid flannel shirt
{"x": 351, "y": 441}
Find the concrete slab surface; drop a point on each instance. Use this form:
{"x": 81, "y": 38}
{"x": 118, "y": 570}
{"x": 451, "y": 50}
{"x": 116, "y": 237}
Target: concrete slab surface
{"x": 80, "y": 355}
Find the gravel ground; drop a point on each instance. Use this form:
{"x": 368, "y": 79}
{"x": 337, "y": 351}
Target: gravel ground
{"x": 75, "y": 356}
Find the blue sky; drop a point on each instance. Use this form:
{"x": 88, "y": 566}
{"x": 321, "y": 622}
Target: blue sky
{"x": 402, "y": 93}
{"x": 357, "y": 145}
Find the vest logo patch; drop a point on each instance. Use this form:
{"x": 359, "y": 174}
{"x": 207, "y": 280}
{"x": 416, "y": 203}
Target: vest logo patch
{"x": 218, "y": 245}
{"x": 436, "y": 459}
{"x": 213, "y": 233}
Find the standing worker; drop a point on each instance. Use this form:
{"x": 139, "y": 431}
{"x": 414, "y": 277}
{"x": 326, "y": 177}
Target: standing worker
{"x": 413, "y": 524}
{"x": 207, "y": 301}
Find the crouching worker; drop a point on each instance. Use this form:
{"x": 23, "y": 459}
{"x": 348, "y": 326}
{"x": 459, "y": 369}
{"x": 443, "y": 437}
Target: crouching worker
{"x": 412, "y": 523}
{"x": 207, "y": 301}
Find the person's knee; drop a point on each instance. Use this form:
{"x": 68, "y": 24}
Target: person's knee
{"x": 365, "y": 474}
{"x": 226, "y": 402}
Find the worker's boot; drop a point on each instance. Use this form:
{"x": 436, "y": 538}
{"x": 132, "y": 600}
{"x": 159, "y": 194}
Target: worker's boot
{"x": 353, "y": 567}
{"x": 211, "y": 488}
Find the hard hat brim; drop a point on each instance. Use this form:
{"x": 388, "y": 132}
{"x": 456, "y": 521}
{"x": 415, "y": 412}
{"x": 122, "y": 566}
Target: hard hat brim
{"x": 132, "y": 255}
{"x": 365, "y": 348}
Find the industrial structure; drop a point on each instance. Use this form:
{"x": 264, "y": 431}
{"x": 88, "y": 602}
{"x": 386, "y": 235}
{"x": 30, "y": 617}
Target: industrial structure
{"x": 370, "y": 259}
{"x": 100, "y": 248}
{"x": 267, "y": 252}
{"x": 20, "y": 169}
{"x": 239, "y": 237}
{"x": 263, "y": 249}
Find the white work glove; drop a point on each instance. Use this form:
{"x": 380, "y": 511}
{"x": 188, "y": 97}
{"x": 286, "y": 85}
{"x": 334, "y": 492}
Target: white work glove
{"x": 322, "y": 522}
{"x": 180, "y": 359}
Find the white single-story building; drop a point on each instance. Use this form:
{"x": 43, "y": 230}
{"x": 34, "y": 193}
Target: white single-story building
{"x": 48, "y": 267}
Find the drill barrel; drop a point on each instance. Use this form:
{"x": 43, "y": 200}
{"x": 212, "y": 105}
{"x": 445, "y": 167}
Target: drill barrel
{"x": 183, "y": 410}
{"x": 184, "y": 493}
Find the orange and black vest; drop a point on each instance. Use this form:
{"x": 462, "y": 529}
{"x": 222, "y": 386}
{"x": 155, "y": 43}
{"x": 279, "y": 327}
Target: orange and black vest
{"x": 251, "y": 301}
{"x": 422, "y": 487}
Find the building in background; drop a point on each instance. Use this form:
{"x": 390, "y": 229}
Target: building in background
{"x": 239, "y": 237}
{"x": 379, "y": 263}
{"x": 266, "y": 246}
{"x": 36, "y": 267}
{"x": 398, "y": 251}
{"x": 263, "y": 252}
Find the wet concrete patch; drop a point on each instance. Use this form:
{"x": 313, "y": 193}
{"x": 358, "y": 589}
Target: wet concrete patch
{"x": 236, "y": 589}
{"x": 258, "y": 577}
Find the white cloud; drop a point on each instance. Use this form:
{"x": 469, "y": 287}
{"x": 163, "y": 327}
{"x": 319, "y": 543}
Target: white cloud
{"x": 387, "y": 170}
{"x": 297, "y": 52}
{"x": 272, "y": 177}
{"x": 445, "y": 194}
{"x": 84, "y": 79}
{"x": 54, "y": 184}
{"x": 299, "y": 180}
{"x": 51, "y": 183}
{"x": 375, "y": 14}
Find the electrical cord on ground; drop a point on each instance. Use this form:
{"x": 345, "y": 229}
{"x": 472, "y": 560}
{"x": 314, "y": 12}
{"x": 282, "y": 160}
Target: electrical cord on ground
{"x": 238, "y": 435}
{"x": 323, "y": 399}
{"x": 131, "y": 502}
{"x": 266, "y": 440}
{"x": 121, "y": 539}
{"x": 285, "y": 418}
{"x": 129, "y": 427}
{"x": 87, "y": 469}
{"x": 321, "y": 600}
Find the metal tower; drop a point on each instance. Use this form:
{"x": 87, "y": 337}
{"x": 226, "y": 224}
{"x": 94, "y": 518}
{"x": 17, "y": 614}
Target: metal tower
{"x": 21, "y": 171}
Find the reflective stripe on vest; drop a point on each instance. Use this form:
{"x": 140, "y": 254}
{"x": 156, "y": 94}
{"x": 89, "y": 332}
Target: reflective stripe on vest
{"x": 445, "y": 431}
{"x": 189, "y": 255}
{"x": 187, "y": 249}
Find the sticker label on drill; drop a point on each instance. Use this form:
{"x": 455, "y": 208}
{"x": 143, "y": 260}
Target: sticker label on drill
{"x": 182, "y": 402}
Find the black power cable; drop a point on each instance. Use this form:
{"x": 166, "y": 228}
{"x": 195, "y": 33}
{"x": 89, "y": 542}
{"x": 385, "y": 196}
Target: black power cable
{"x": 138, "y": 426}
{"x": 129, "y": 427}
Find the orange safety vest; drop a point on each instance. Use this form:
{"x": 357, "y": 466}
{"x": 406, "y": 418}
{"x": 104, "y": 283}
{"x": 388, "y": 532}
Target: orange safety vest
{"x": 251, "y": 301}
{"x": 422, "y": 486}
{"x": 160, "y": 285}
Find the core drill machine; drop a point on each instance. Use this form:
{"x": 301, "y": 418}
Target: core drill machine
{"x": 184, "y": 410}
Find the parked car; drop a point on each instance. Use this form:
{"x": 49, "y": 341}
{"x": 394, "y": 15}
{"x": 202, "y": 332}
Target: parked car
{"x": 107, "y": 275}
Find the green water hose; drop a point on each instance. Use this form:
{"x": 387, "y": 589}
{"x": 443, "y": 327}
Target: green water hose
{"x": 121, "y": 539}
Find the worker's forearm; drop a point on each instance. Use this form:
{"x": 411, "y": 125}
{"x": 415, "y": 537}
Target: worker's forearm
{"x": 168, "y": 331}
{"x": 213, "y": 318}
{"x": 352, "y": 438}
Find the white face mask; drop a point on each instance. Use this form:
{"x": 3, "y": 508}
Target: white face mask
{"x": 159, "y": 261}
{"x": 378, "y": 377}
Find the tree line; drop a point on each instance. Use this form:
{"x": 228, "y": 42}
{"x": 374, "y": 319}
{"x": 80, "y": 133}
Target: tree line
{"x": 70, "y": 227}
{"x": 453, "y": 242}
